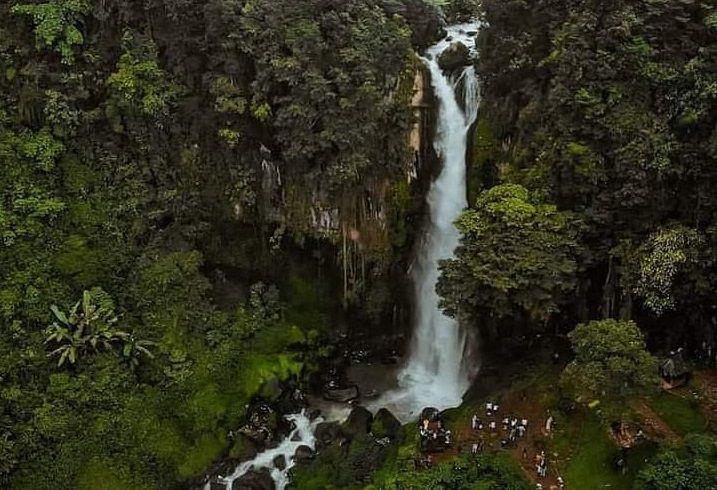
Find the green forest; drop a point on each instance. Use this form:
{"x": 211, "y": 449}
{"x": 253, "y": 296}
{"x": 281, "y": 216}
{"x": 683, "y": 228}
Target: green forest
{"x": 210, "y": 213}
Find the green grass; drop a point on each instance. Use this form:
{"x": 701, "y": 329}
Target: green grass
{"x": 591, "y": 454}
{"x": 681, "y": 414}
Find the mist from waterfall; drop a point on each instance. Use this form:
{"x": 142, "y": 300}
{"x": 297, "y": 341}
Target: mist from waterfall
{"x": 437, "y": 371}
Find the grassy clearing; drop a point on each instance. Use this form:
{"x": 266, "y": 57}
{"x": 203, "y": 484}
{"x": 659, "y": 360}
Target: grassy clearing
{"x": 587, "y": 453}
{"x": 681, "y": 414}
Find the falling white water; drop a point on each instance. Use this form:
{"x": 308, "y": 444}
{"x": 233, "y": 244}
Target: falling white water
{"x": 436, "y": 373}
{"x": 301, "y": 435}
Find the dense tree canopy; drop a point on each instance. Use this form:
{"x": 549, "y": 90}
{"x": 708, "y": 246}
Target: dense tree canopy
{"x": 610, "y": 362}
{"x": 147, "y": 148}
{"x": 517, "y": 260}
{"x": 607, "y": 111}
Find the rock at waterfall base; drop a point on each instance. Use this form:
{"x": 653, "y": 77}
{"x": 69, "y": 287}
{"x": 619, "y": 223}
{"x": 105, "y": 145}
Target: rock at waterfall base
{"x": 343, "y": 395}
{"x": 303, "y": 455}
{"x": 385, "y": 424}
{"x": 280, "y": 462}
{"x": 457, "y": 55}
{"x": 326, "y": 433}
{"x": 244, "y": 448}
{"x": 254, "y": 480}
{"x": 358, "y": 423}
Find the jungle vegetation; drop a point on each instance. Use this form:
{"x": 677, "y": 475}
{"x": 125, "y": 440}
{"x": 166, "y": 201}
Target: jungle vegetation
{"x": 171, "y": 169}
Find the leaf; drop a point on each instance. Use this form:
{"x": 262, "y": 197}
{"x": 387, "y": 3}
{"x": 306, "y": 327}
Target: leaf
{"x": 63, "y": 357}
{"x": 87, "y": 303}
{"x": 59, "y": 314}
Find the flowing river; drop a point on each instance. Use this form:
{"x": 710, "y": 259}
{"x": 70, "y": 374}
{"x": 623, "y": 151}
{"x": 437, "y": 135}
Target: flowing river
{"x": 437, "y": 372}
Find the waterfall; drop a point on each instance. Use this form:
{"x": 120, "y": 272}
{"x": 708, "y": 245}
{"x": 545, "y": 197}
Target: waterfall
{"x": 436, "y": 373}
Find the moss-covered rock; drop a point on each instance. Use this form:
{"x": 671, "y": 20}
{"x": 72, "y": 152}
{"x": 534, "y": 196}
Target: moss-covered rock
{"x": 244, "y": 448}
{"x": 385, "y": 424}
{"x": 358, "y": 423}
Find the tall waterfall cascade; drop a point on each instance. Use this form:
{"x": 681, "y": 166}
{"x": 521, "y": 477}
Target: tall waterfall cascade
{"x": 437, "y": 372}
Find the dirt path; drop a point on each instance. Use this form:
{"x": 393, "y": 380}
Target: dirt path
{"x": 708, "y": 382}
{"x": 655, "y": 428}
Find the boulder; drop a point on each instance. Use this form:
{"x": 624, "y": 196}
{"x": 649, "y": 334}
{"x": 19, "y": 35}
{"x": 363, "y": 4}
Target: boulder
{"x": 358, "y": 423}
{"x": 254, "y": 480}
{"x": 244, "y": 447}
{"x": 430, "y": 413}
{"x": 385, "y": 424}
{"x": 326, "y": 433}
{"x": 455, "y": 56}
{"x": 341, "y": 395}
{"x": 216, "y": 485}
{"x": 303, "y": 455}
{"x": 280, "y": 462}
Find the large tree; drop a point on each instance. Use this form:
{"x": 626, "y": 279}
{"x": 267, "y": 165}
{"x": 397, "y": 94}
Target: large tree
{"x": 517, "y": 259}
{"x": 611, "y": 361}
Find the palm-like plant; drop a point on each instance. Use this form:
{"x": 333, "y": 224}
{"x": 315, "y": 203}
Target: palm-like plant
{"x": 90, "y": 327}
{"x": 134, "y": 349}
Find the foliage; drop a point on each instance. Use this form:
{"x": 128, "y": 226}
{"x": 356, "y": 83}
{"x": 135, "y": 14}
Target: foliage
{"x": 139, "y": 84}
{"x": 89, "y": 327}
{"x": 134, "y": 163}
{"x": 57, "y": 24}
{"x": 693, "y": 466}
{"x": 611, "y": 361}
{"x": 517, "y": 258}
{"x": 325, "y": 95}
{"x": 487, "y": 471}
{"x": 607, "y": 112}
{"x": 665, "y": 256}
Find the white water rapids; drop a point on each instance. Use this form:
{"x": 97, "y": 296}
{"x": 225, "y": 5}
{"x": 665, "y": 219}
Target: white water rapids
{"x": 301, "y": 435}
{"x": 436, "y": 373}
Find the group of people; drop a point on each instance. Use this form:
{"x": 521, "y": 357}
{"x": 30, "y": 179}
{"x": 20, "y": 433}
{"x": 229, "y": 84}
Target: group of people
{"x": 434, "y": 436}
{"x": 513, "y": 427}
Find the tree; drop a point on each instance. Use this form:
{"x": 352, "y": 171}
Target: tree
{"x": 691, "y": 467}
{"x": 610, "y": 361}
{"x": 608, "y": 111}
{"x": 139, "y": 85}
{"x": 56, "y": 24}
{"x": 517, "y": 259}
{"x": 668, "y": 255}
